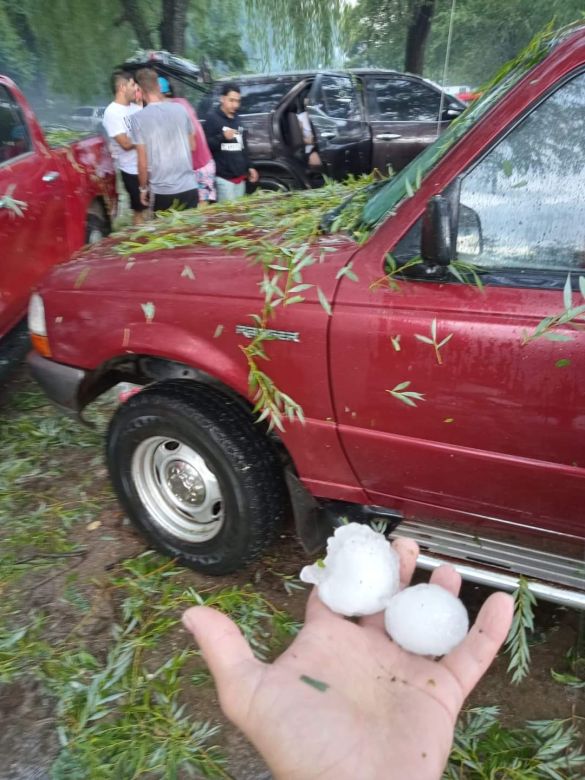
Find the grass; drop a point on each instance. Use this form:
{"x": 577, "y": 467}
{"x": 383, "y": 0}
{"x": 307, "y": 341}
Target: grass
{"x": 130, "y": 702}
{"x": 121, "y": 709}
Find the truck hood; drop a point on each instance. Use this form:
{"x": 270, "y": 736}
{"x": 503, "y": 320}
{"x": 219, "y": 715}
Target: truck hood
{"x": 199, "y": 269}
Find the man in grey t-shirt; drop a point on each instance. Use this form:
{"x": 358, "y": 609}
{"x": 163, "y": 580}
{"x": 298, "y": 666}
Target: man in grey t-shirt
{"x": 164, "y": 138}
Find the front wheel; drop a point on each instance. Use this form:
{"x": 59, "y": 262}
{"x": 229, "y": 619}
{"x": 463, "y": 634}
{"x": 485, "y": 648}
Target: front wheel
{"x": 196, "y": 476}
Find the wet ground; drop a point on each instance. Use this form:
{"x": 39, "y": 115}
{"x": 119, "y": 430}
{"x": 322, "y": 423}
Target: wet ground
{"x": 28, "y": 736}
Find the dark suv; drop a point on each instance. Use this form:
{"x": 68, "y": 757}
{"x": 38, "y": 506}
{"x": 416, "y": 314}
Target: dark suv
{"x": 362, "y": 119}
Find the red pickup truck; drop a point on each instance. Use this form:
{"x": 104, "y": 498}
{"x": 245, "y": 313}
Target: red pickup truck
{"x": 52, "y": 201}
{"x": 439, "y": 360}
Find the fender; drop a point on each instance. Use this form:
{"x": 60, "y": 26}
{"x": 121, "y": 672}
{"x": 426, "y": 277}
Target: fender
{"x": 179, "y": 346}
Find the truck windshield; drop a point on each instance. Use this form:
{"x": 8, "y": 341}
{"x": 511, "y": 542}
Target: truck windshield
{"x": 405, "y": 183}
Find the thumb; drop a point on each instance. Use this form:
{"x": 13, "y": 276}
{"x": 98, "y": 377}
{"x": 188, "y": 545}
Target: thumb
{"x": 228, "y": 656}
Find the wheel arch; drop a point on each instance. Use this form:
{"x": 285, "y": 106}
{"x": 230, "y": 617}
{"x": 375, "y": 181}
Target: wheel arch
{"x": 144, "y": 369}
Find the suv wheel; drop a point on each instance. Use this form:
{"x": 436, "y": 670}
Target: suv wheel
{"x": 196, "y": 476}
{"x": 273, "y": 184}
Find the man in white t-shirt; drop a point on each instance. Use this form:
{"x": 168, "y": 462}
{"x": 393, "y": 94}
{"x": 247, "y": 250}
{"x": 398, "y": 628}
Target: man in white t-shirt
{"x": 116, "y": 122}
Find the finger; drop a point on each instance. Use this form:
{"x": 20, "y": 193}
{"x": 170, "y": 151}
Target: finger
{"x": 220, "y": 641}
{"x": 316, "y": 610}
{"x": 469, "y": 660}
{"x": 447, "y": 577}
{"x": 408, "y": 551}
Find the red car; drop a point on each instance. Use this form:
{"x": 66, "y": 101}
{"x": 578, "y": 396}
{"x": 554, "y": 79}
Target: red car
{"x": 456, "y": 411}
{"x": 52, "y": 201}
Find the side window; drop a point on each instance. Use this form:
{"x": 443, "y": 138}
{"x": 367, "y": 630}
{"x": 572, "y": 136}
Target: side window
{"x": 527, "y": 195}
{"x": 263, "y": 98}
{"x": 403, "y": 100}
{"x": 337, "y": 98}
{"x": 14, "y": 136}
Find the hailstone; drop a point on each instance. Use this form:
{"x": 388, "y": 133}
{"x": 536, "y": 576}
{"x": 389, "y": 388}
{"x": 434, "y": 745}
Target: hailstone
{"x": 359, "y": 574}
{"x": 426, "y": 619}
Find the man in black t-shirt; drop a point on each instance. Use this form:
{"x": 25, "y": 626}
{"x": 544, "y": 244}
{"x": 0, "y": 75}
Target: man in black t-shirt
{"x": 225, "y": 137}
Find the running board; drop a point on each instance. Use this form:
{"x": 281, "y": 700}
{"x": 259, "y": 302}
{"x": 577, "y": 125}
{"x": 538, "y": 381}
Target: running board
{"x": 497, "y": 564}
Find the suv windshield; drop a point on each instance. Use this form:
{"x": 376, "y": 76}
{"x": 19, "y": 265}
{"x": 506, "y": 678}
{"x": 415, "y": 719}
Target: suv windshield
{"x": 405, "y": 183}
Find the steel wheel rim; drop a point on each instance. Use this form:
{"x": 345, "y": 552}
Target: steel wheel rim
{"x": 181, "y": 493}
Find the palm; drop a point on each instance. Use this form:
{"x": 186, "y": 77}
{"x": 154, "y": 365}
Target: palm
{"x": 344, "y": 701}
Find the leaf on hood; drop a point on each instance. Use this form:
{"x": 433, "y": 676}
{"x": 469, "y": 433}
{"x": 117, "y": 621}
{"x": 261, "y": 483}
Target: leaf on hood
{"x": 149, "y": 310}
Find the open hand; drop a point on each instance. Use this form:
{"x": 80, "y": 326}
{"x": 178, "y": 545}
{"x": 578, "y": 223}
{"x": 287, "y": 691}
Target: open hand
{"x": 344, "y": 701}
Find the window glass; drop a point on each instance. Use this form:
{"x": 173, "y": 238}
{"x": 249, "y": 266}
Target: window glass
{"x": 14, "y": 136}
{"x": 337, "y": 98}
{"x": 256, "y": 98}
{"x": 528, "y": 193}
{"x": 263, "y": 98}
{"x": 403, "y": 100}
{"x": 83, "y": 111}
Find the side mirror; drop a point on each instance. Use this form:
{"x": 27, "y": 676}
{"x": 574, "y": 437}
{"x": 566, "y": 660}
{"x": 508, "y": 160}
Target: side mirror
{"x": 451, "y": 113}
{"x": 437, "y": 246}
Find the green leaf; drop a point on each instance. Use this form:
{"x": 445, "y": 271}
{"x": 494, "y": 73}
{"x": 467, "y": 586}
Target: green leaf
{"x": 395, "y": 342}
{"x": 293, "y": 299}
{"x": 562, "y": 363}
{"x": 317, "y": 684}
{"x": 568, "y": 294}
{"x": 434, "y": 329}
{"x": 401, "y": 386}
{"x": 582, "y": 285}
{"x": 149, "y": 310}
{"x": 424, "y": 339}
{"x": 408, "y": 188}
{"x": 323, "y": 301}
{"x": 518, "y": 185}
{"x": 507, "y": 168}
{"x": 553, "y": 336}
{"x": 445, "y": 340}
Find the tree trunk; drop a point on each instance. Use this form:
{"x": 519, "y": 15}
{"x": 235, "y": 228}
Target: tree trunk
{"x": 419, "y": 27}
{"x": 173, "y": 24}
{"x": 132, "y": 13}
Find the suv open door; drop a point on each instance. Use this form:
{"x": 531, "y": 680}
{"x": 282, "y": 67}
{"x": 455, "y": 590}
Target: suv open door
{"x": 337, "y": 114}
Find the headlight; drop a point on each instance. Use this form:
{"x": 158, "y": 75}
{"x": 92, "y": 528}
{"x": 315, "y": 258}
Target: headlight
{"x": 36, "y": 315}
{"x": 37, "y": 325}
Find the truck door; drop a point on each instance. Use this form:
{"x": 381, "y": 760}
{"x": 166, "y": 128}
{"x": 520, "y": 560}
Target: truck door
{"x": 336, "y": 113}
{"x": 453, "y": 399}
{"x": 32, "y": 212}
{"x": 403, "y": 112}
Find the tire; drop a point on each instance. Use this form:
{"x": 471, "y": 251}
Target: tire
{"x": 223, "y": 495}
{"x": 96, "y": 227}
{"x": 272, "y": 184}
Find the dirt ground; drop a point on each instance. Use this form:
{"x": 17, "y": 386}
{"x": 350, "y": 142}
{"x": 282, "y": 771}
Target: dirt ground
{"x": 28, "y": 737}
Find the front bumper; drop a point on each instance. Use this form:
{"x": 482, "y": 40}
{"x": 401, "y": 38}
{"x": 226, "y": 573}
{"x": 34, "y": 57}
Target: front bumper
{"x": 61, "y": 383}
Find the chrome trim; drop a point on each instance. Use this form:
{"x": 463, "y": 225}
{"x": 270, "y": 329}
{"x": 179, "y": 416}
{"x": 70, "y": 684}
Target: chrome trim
{"x": 499, "y": 564}
{"x": 275, "y": 335}
{"x": 507, "y": 582}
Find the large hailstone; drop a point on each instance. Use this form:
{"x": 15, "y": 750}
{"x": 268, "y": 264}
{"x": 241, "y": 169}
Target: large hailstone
{"x": 426, "y": 619}
{"x": 359, "y": 574}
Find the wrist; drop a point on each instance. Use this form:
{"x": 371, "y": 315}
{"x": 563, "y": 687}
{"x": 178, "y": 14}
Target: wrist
{"x": 143, "y": 189}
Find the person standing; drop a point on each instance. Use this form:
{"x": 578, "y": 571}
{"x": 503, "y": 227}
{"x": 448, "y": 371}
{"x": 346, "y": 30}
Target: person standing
{"x": 203, "y": 162}
{"x": 116, "y": 122}
{"x": 226, "y": 141}
{"x": 164, "y": 140}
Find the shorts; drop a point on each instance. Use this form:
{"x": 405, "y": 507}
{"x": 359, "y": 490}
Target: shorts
{"x": 133, "y": 189}
{"x": 206, "y": 181}
{"x": 187, "y": 200}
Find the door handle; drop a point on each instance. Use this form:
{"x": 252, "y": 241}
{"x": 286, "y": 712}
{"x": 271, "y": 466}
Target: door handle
{"x": 51, "y": 176}
{"x": 388, "y": 136}
{"x": 328, "y": 134}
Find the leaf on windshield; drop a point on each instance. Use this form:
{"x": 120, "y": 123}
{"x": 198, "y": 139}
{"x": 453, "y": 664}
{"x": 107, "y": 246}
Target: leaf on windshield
{"x": 507, "y": 168}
